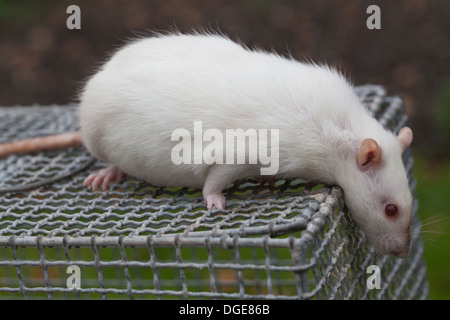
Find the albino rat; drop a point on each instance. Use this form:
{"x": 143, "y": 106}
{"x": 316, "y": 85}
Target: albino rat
{"x": 130, "y": 109}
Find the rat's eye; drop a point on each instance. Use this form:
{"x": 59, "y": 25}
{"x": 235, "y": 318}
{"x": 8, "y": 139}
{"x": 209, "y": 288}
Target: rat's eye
{"x": 391, "y": 210}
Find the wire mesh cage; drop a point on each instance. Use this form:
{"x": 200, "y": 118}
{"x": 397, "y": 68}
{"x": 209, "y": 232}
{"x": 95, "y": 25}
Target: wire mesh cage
{"x": 292, "y": 240}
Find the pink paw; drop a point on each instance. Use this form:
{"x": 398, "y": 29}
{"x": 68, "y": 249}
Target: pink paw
{"x": 104, "y": 177}
{"x": 214, "y": 200}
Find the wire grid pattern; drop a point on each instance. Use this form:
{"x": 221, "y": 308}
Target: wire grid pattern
{"x": 293, "y": 240}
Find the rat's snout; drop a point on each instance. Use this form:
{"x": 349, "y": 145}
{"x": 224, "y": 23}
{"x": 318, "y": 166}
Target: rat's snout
{"x": 398, "y": 247}
{"x": 397, "y": 244}
{"x": 400, "y": 253}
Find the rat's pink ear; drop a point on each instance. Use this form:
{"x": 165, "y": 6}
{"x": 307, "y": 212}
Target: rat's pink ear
{"x": 405, "y": 137}
{"x": 369, "y": 153}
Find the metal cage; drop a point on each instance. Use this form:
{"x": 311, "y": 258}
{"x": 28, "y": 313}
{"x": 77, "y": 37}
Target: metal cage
{"x": 293, "y": 240}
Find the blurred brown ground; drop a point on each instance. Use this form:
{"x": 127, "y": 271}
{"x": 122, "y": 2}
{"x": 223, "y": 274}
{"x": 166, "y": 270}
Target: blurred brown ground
{"x": 43, "y": 62}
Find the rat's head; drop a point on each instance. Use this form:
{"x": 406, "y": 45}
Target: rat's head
{"x": 377, "y": 193}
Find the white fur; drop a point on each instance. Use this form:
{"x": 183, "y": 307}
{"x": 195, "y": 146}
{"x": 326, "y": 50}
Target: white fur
{"x": 155, "y": 85}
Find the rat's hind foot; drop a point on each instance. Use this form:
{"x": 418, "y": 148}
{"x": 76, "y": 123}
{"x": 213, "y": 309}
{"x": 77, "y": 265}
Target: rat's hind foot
{"x": 214, "y": 200}
{"x": 104, "y": 177}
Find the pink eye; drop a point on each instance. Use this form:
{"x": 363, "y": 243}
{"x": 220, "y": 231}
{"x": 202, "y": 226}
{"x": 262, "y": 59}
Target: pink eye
{"x": 391, "y": 210}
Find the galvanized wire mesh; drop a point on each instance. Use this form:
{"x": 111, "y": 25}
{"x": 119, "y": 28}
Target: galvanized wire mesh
{"x": 293, "y": 240}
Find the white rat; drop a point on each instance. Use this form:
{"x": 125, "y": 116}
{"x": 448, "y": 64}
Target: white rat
{"x": 152, "y": 86}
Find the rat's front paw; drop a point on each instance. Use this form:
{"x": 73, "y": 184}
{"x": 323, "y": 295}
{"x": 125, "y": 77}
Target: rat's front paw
{"x": 214, "y": 200}
{"x": 104, "y": 177}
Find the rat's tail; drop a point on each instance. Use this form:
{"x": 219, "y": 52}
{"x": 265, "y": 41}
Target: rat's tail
{"x": 59, "y": 141}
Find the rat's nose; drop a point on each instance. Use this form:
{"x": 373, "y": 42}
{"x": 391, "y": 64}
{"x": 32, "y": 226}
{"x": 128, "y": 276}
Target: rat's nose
{"x": 400, "y": 253}
{"x": 400, "y": 248}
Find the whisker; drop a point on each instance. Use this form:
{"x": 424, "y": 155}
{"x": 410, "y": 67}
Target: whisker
{"x": 435, "y": 232}
{"x": 437, "y": 244}
{"x": 428, "y": 219}
{"x": 435, "y": 221}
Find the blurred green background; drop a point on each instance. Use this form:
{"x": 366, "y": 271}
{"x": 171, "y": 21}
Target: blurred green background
{"x": 43, "y": 62}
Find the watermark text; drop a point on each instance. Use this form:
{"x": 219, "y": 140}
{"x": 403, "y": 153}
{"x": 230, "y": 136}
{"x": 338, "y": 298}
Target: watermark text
{"x": 234, "y": 146}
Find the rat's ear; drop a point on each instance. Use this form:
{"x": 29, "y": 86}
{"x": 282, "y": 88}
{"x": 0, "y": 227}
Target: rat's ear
{"x": 369, "y": 153}
{"x": 405, "y": 137}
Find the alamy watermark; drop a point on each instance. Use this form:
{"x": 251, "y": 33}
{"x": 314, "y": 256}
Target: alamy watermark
{"x": 74, "y": 20}
{"x": 74, "y": 280}
{"x": 232, "y": 146}
{"x": 374, "y": 280}
{"x": 374, "y": 20}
